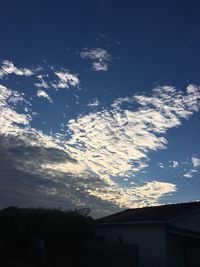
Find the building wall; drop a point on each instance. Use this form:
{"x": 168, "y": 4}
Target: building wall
{"x": 190, "y": 222}
{"x": 175, "y": 251}
{"x": 150, "y": 238}
{"x": 177, "y": 245}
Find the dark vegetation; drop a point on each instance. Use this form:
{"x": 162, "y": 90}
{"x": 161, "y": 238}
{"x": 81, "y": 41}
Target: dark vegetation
{"x": 43, "y": 237}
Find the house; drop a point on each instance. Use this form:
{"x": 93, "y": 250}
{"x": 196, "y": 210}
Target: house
{"x": 166, "y": 236}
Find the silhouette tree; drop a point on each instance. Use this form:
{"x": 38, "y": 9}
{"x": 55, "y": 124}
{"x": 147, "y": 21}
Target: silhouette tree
{"x": 49, "y": 230}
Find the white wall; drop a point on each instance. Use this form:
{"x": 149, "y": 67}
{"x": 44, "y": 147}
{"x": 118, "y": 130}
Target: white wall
{"x": 150, "y": 238}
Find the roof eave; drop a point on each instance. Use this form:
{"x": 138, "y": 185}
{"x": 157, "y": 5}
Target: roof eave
{"x": 183, "y": 215}
{"x": 130, "y": 223}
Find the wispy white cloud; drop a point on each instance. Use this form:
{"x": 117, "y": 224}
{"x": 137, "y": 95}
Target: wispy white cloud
{"x": 100, "y": 57}
{"x": 195, "y": 162}
{"x": 9, "y": 68}
{"x": 94, "y": 103}
{"x": 47, "y": 78}
{"x": 188, "y": 174}
{"x": 9, "y": 117}
{"x": 66, "y": 79}
{"x": 98, "y": 66}
{"x": 41, "y": 93}
{"x": 42, "y": 83}
{"x": 170, "y": 164}
{"x": 138, "y": 196}
{"x": 161, "y": 165}
{"x": 175, "y": 164}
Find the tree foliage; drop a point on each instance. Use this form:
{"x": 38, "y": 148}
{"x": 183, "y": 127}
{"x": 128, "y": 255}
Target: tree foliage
{"x": 47, "y": 224}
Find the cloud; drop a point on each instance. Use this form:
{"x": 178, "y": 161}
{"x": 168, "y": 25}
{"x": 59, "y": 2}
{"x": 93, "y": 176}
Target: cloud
{"x": 66, "y": 79}
{"x": 94, "y": 103}
{"x": 98, "y": 66}
{"x": 99, "y": 56}
{"x": 9, "y": 68}
{"x": 116, "y": 141}
{"x": 41, "y": 93}
{"x": 104, "y": 147}
{"x": 188, "y": 174}
{"x": 138, "y": 196}
{"x": 195, "y": 162}
{"x": 42, "y": 83}
{"x": 51, "y": 78}
{"x": 10, "y": 119}
{"x": 161, "y": 165}
{"x": 25, "y": 183}
{"x": 172, "y": 164}
{"x": 24, "y": 154}
{"x": 175, "y": 164}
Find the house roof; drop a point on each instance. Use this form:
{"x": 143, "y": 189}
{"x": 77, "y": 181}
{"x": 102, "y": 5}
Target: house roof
{"x": 155, "y": 213}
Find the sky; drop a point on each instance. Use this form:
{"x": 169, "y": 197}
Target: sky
{"x": 99, "y": 103}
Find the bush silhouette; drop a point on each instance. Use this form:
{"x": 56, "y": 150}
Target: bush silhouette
{"x": 16, "y": 224}
{"x": 48, "y": 237}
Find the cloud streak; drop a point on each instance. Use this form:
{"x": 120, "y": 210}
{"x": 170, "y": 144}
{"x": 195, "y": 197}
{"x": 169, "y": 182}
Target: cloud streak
{"x": 8, "y": 68}
{"x": 41, "y": 93}
{"x": 94, "y": 103}
{"x": 195, "y": 162}
{"x": 99, "y": 56}
{"x": 42, "y": 83}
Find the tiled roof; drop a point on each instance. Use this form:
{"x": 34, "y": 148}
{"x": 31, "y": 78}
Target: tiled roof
{"x": 156, "y": 213}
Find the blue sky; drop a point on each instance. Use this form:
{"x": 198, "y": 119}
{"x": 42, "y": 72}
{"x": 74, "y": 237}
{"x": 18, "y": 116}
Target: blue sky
{"x": 100, "y": 103}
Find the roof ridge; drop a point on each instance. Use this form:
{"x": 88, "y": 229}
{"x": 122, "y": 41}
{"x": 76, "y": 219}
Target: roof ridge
{"x": 158, "y": 212}
{"x": 165, "y": 205}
